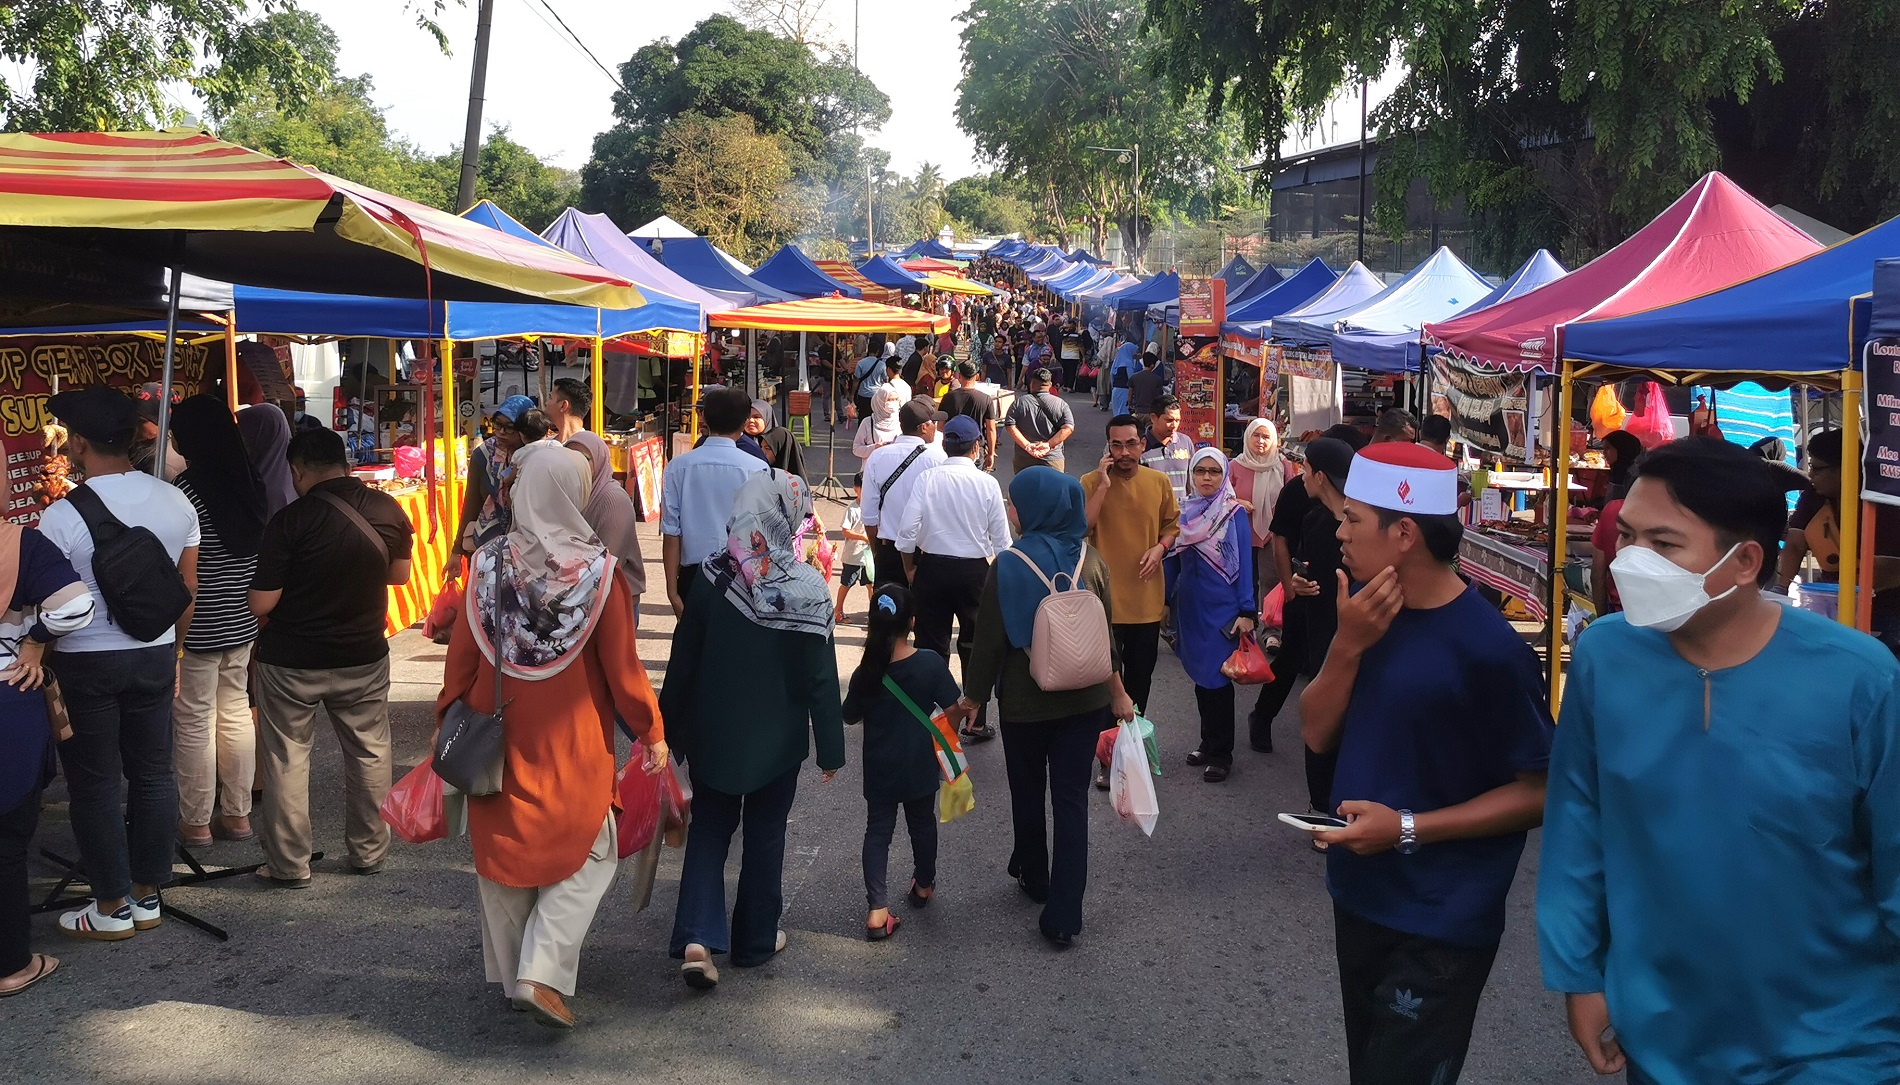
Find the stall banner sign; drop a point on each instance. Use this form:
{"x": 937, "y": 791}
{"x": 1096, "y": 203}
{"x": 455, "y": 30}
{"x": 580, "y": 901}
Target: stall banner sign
{"x": 1203, "y": 306}
{"x": 1197, "y": 383}
{"x": 28, "y": 368}
{"x": 1245, "y": 349}
{"x": 647, "y": 460}
{"x": 1306, "y": 363}
{"x": 1880, "y": 479}
{"x": 1487, "y": 408}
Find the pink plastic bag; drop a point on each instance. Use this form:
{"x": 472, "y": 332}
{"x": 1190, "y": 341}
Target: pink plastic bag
{"x": 442, "y": 615}
{"x": 640, "y": 798}
{"x": 413, "y": 808}
{"x": 408, "y": 461}
{"x": 1650, "y": 423}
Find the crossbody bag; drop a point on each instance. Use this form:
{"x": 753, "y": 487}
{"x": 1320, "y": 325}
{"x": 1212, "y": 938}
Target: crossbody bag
{"x": 468, "y": 745}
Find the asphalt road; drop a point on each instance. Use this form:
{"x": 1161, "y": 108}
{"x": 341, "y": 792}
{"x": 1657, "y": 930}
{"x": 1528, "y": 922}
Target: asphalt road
{"x": 1207, "y": 953}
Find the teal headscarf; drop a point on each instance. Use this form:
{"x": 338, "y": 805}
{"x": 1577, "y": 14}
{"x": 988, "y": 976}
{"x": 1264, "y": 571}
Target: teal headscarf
{"x": 1049, "y": 510}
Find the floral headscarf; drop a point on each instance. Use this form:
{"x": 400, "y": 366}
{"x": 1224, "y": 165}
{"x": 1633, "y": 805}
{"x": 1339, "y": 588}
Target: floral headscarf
{"x": 1204, "y": 520}
{"x": 761, "y": 569}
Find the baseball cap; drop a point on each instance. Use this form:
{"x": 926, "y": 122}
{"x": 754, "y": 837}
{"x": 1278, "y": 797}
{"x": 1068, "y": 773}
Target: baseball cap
{"x": 98, "y": 414}
{"x": 960, "y": 434}
{"x": 919, "y": 410}
{"x": 1331, "y": 457}
{"x": 512, "y": 408}
{"x": 145, "y": 400}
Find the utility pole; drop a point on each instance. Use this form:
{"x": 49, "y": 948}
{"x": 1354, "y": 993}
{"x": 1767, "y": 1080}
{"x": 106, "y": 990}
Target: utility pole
{"x": 477, "y": 90}
{"x": 1362, "y": 170}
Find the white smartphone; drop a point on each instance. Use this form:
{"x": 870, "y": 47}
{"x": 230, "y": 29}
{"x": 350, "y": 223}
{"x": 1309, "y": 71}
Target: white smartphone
{"x": 1313, "y": 823}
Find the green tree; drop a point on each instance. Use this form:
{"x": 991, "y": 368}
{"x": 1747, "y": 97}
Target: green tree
{"x": 988, "y": 204}
{"x": 339, "y": 129}
{"x": 725, "y": 180}
{"x": 722, "y": 68}
{"x": 1046, "y": 83}
{"x": 511, "y": 175}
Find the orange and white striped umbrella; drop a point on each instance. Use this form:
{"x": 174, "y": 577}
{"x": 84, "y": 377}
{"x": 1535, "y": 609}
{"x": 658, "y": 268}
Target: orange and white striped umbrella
{"x": 833, "y": 314}
{"x": 842, "y": 271}
{"x": 223, "y": 211}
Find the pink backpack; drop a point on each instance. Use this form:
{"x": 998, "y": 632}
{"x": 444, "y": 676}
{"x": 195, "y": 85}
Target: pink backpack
{"x": 1069, "y": 646}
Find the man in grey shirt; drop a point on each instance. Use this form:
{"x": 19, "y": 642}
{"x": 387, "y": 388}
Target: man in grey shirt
{"x": 1039, "y": 423}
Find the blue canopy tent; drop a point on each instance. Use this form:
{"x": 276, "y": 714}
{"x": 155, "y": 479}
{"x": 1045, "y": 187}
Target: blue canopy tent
{"x": 700, "y": 262}
{"x": 1250, "y": 317}
{"x": 1061, "y": 270}
{"x": 1005, "y": 249}
{"x": 1044, "y": 263}
{"x": 1353, "y": 288}
{"x": 884, "y": 271}
{"x": 1237, "y": 272}
{"x": 1803, "y": 318}
{"x": 793, "y": 272}
{"x": 1164, "y": 287}
{"x": 597, "y": 239}
{"x": 1085, "y": 256}
{"x": 1075, "y": 276}
{"x": 1259, "y": 283}
{"x": 1100, "y": 279}
{"x": 1382, "y": 334}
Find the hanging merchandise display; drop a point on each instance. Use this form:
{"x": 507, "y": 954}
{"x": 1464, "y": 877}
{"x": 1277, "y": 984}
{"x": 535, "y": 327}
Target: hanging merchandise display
{"x": 1607, "y": 414}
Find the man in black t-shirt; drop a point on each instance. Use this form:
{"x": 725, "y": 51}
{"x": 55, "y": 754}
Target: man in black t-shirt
{"x": 324, "y": 568}
{"x": 978, "y": 406}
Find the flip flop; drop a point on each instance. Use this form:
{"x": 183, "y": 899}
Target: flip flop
{"x": 46, "y": 967}
{"x": 878, "y": 934}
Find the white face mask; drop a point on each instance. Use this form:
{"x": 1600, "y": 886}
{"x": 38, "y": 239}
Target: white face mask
{"x": 1659, "y": 594}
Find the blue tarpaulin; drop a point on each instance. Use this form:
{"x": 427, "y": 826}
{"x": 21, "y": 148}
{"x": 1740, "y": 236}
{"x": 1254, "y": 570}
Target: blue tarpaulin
{"x": 793, "y": 272}
{"x": 1250, "y": 318}
{"x": 1801, "y": 318}
{"x": 700, "y": 262}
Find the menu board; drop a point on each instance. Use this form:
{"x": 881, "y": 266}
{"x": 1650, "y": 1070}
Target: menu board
{"x": 1197, "y": 384}
{"x": 1881, "y": 479}
{"x": 645, "y": 463}
{"x": 1203, "y": 306}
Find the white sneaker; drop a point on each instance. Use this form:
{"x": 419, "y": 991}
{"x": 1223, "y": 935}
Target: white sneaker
{"x": 147, "y": 912}
{"x": 89, "y": 922}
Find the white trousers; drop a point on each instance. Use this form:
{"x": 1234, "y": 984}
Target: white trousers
{"x": 214, "y": 743}
{"x": 536, "y": 934}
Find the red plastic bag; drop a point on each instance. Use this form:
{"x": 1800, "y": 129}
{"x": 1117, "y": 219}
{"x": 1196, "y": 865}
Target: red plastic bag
{"x": 1273, "y": 609}
{"x": 444, "y": 611}
{"x": 1248, "y": 665}
{"x": 413, "y": 808}
{"x": 1651, "y": 423}
{"x": 676, "y": 805}
{"x": 640, "y": 798}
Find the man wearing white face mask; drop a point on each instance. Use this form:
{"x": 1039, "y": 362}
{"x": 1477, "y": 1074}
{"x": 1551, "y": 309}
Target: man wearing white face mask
{"x": 1435, "y": 707}
{"x": 1720, "y": 879}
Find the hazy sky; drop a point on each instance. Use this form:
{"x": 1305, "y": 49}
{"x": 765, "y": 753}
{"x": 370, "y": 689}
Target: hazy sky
{"x": 555, "y": 100}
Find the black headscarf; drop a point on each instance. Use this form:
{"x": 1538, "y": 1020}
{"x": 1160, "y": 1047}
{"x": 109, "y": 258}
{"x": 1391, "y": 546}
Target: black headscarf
{"x": 1628, "y": 451}
{"x": 221, "y": 472}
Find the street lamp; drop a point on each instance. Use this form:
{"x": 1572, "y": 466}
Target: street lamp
{"x": 1126, "y": 154}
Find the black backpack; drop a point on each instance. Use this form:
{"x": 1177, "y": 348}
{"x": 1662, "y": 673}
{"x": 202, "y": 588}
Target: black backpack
{"x": 143, "y": 590}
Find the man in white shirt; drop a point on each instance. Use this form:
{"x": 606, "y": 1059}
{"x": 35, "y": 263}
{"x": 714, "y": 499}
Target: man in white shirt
{"x": 698, "y": 489}
{"x": 118, "y": 688}
{"x": 890, "y": 477}
{"x": 953, "y": 526}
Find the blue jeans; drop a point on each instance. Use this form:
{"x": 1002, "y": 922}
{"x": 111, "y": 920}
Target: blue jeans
{"x": 119, "y": 764}
{"x": 700, "y": 917}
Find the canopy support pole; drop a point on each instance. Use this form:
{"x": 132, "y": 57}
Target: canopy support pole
{"x": 165, "y": 380}
{"x": 1560, "y": 525}
{"x": 452, "y": 438}
{"x": 1850, "y": 496}
{"x": 230, "y": 362}
{"x": 692, "y": 405}
{"x": 752, "y": 363}
{"x": 597, "y": 387}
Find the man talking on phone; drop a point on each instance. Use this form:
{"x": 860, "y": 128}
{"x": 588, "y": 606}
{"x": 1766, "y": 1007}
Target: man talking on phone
{"x": 1436, "y": 708}
{"x": 1720, "y": 875}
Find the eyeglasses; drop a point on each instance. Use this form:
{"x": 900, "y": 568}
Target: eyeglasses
{"x": 1212, "y": 472}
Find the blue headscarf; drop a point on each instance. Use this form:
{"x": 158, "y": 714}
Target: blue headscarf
{"x": 1049, "y": 510}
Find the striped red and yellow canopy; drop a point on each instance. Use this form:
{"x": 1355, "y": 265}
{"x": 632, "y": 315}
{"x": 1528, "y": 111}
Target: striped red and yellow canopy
{"x": 833, "y": 314}
{"x": 843, "y": 272}
{"x": 225, "y": 211}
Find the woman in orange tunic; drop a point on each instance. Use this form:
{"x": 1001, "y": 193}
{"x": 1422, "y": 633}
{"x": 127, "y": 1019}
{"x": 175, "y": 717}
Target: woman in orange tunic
{"x": 544, "y": 847}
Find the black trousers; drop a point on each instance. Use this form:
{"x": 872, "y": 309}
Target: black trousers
{"x": 1217, "y": 723}
{"x": 947, "y": 589}
{"x": 689, "y": 574}
{"x": 863, "y": 404}
{"x": 1140, "y": 643}
{"x": 16, "y": 906}
{"x": 1409, "y": 1002}
{"x": 1273, "y": 695}
{"x": 890, "y": 564}
{"x": 1054, "y": 755}
{"x": 880, "y": 821}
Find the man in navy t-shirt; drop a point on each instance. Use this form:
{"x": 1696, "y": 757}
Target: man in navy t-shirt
{"x": 1435, "y": 707}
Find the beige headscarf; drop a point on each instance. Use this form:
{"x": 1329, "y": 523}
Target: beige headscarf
{"x": 556, "y": 574}
{"x": 1269, "y": 471}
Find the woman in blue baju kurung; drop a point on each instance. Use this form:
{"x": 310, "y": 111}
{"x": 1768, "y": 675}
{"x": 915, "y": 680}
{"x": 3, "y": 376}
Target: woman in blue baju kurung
{"x": 1214, "y": 604}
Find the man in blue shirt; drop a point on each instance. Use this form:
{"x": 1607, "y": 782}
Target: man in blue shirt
{"x": 869, "y": 374}
{"x": 1720, "y": 877}
{"x": 698, "y": 489}
{"x": 1126, "y": 364}
{"x": 1435, "y": 707}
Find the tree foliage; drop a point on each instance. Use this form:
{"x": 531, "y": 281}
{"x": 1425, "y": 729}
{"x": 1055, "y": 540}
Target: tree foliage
{"x": 726, "y": 181}
{"x": 988, "y": 205}
{"x": 722, "y": 68}
{"x": 1570, "y": 120}
{"x": 1047, "y": 82}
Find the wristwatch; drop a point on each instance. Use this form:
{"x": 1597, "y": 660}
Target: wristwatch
{"x": 1408, "y": 833}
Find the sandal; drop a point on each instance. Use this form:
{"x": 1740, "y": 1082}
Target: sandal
{"x": 878, "y": 934}
{"x": 44, "y": 966}
{"x": 974, "y": 735}
{"x": 699, "y": 973}
{"x": 918, "y": 896}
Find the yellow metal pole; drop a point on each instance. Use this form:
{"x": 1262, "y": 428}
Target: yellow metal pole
{"x": 597, "y": 384}
{"x": 1849, "y": 504}
{"x": 692, "y": 397}
{"x": 1559, "y": 527}
{"x": 452, "y": 431}
{"x": 230, "y": 362}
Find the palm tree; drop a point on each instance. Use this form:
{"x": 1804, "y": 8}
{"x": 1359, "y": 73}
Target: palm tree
{"x": 925, "y": 192}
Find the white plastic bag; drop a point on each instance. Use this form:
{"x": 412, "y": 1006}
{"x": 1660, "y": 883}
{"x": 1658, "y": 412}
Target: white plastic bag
{"x": 1131, "y": 790}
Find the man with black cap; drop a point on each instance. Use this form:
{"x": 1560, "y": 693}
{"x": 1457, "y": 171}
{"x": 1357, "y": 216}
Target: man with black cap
{"x": 1039, "y": 422}
{"x": 890, "y": 477}
{"x": 118, "y": 687}
{"x": 145, "y": 441}
{"x": 1436, "y": 708}
{"x": 953, "y": 526}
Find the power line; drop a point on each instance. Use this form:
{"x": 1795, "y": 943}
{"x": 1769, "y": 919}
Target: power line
{"x": 573, "y": 39}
